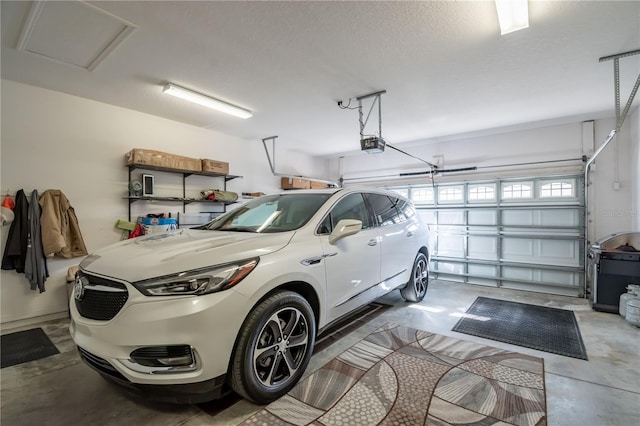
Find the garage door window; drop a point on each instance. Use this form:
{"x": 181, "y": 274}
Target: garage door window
{"x": 450, "y": 194}
{"x": 517, "y": 191}
{"x": 422, "y": 195}
{"x": 482, "y": 193}
{"x": 556, "y": 189}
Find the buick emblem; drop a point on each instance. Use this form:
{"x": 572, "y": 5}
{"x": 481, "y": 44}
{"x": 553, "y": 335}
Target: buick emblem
{"x": 78, "y": 288}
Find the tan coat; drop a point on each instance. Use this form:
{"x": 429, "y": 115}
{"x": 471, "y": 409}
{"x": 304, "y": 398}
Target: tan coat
{"x": 61, "y": 234}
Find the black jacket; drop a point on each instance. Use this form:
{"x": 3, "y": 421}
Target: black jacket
{"x": 15, "y": 252}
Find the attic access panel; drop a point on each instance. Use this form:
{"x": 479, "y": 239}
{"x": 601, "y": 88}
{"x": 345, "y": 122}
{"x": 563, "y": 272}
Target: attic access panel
{"x": 73, "y": 33}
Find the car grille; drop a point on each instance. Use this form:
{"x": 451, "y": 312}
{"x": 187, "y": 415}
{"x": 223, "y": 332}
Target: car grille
{"x": 100, "y": 364}
{"x": 102, "y": 299}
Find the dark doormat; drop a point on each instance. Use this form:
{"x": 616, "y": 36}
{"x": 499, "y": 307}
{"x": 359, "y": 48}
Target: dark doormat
{"x": 25, "y": 346}
{"x": 537, "y": 327}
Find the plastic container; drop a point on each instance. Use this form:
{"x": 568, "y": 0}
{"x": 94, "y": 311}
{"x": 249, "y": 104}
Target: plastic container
{"x": 633, "y": 290}
{"x": 633, "y": 311}
{"x": 153, "y": 225}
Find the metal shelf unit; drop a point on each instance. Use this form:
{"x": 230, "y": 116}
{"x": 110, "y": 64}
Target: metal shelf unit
{"x": 185, "y": 174}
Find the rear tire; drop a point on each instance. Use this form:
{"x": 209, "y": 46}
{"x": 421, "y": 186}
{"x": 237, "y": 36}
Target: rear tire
{"x": 274, "y": 347}
{"x": 416, "y": 288}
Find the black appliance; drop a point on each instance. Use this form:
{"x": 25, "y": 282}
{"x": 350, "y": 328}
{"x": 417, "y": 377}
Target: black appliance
{"x": 616, "y": 264}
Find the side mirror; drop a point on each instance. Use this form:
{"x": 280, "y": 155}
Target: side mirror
{"x": 344, "y": 228}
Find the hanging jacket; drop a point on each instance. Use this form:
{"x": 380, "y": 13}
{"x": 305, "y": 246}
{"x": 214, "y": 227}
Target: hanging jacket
{"x": 15, "y": 252}
{"x": 36, "y": 263}
{"x": 61, "y": 234}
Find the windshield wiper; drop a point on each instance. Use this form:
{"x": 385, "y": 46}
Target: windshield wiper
{"x": 236, "y": 229}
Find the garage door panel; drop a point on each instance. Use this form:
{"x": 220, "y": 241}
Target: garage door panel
{"x": 483, "y": 217}
{"x": 517, "y": 249}
{"x": 559, "y": 217}
{"x": 559, "y": 252}
{"x": 428, "y": 216}
{"x": 483, "y": 247}
{"x": 560, "y": 278}
{"x": 451, "y": 245}
{"x": 453, "y": 270}
{"x": 482, "y": 281}
{"x": 538, "y": 217}
{"x": 451, "y": 217}
{"x": 483, "y": 270}
{"x": 517, "y": 217}
{"x": 518, "y": 273}
{"x": 562, "y": 291}
{"x": 546, "y": 251}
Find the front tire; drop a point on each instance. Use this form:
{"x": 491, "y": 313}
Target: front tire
{"x": 416, "y": 288}
{"x": 274, "y": 347}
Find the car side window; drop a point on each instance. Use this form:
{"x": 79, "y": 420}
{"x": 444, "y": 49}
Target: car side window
{"x": 350, "y": 207}
{"x": 384, "y": 209}
{"x": 404, "y": 209}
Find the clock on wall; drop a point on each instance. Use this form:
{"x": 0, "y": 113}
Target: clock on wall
{"x": 135, "y": 188}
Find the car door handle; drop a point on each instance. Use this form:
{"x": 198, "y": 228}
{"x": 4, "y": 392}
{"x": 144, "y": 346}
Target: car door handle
{"x": 372, "y": 242}
{"x": 409, "y": 234}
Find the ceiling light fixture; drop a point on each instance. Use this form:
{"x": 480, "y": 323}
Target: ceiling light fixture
{"x": 513, "y": 15}
{"x": 207, "y": 101}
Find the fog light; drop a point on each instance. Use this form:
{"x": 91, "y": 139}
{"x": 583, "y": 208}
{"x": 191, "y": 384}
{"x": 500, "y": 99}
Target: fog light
{"x": 164, "y": 356}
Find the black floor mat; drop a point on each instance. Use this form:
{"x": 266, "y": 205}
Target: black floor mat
{"x": 25, "y": 346}
{"x": 537, "y": 327}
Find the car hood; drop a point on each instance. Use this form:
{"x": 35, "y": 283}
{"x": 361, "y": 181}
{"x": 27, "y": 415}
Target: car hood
{"x": 157, "y": 255}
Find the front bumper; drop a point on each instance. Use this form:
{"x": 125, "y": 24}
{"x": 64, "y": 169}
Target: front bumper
{"x": 186, "y": 393}
{"x": 209, "y": 324}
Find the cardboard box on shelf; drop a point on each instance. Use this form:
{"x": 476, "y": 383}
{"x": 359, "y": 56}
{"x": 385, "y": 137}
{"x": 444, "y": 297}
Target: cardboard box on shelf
{"x": 318, "y": 185}
{"x": 293, "y": 183}
{"x": 149, "y": 157}
{"x": 215, "y": 166}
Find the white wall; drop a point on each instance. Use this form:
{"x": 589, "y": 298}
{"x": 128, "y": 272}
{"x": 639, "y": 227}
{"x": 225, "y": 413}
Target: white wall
{"x": 610, "y": 212}
{"x": 53, "y": 140}
{"x": 634, "y": 124}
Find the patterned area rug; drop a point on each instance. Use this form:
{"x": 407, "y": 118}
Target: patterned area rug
{"x": 402, "y": 376}
{"x": 347, "y": 325}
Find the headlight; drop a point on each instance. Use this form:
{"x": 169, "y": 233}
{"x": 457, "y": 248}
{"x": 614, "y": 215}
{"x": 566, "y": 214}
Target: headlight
{"x": 201, "y": 281}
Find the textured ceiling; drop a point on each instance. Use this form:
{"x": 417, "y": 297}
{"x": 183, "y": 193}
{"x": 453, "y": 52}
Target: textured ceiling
{"x": 445, "y": 67}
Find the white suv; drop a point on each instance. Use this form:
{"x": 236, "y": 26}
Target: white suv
{"x": 237, "y": 303}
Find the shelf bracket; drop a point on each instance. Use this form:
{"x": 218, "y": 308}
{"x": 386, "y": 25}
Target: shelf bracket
{"x": 621, "y": 116}
{"x": 377, "y": 97}
{"x": 272, "y": 163}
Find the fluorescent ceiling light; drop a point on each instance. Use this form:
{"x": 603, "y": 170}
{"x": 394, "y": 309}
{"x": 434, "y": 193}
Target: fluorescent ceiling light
{"x": 209, "y": 102}
{"x": 513, "y": 15}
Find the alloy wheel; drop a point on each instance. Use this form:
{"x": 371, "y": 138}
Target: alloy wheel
{"x": 281, "y": 347}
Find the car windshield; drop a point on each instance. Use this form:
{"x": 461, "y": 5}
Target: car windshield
{"x": 270, "y": 213}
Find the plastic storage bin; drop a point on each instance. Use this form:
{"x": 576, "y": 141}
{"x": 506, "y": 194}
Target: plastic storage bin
{"x": 154, "y": 225}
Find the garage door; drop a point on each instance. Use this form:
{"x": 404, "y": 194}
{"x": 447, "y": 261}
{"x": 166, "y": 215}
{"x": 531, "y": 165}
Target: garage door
{"x": 525, "y": 233}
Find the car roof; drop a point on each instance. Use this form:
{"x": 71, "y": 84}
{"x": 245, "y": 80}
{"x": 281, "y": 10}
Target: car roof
{"x": 346, "y": 190}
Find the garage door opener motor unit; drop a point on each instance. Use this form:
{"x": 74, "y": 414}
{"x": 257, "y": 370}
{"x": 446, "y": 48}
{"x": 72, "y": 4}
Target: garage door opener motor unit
{"x": 372, "y": 145}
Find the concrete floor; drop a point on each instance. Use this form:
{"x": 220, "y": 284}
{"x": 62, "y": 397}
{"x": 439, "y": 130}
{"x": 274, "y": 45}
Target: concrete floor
{"x": 61, "y": 390}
